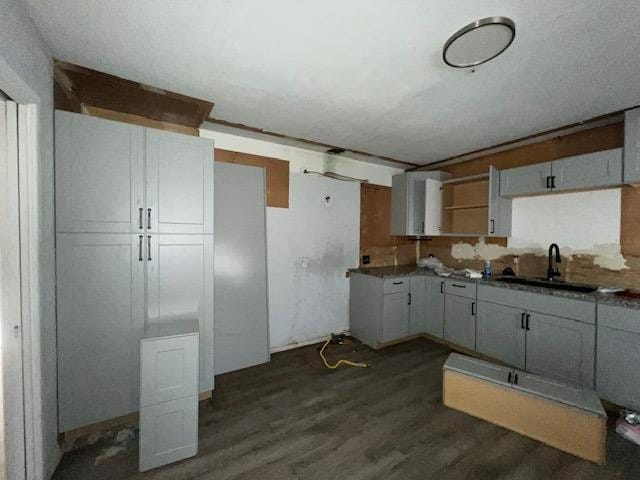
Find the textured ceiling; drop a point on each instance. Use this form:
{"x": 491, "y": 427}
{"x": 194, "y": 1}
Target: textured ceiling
{"x": 363, "y": 74}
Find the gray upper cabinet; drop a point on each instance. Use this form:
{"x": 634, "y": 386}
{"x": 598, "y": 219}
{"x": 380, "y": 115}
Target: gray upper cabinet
{"x": 460, "y": 321}
{"x": 528, "y": 180}
{"x": 434, "y": 306}
{"x": 632, "y": 146}
{"x": 99, "y": 174}
{"x": 501, "y": 333}
{"x": 179, "y": 185}
{"x": 561, "y": 349}
{"x": 499, "y": 207}
{"x": 101, "y": 309}
{"x": 414, "y": 195}
{"x": 593, "y": 170}
{"x": 417, "y": 310}
{"x": 618, "y": 353}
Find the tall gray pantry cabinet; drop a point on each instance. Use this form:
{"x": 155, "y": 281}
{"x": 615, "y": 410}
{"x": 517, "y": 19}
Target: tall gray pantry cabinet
{"x": 134, "y": 239}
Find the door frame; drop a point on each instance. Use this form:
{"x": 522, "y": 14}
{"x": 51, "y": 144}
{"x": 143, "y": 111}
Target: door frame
{"x": 27, "y": 234}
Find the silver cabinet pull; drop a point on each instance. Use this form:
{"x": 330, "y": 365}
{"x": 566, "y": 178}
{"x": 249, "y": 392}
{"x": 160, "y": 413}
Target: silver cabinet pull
{"x": 140, "y": 247}
{"x": 148, "y": 218}
{"x": 140, "y": 226}
{"x": 149, "y": 247}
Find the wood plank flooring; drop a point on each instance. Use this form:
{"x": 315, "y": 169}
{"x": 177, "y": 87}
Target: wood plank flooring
{"x": 293, "y": 419}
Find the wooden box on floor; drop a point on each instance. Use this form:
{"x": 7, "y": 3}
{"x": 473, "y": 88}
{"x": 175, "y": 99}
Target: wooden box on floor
{"x": 567, "y": 418}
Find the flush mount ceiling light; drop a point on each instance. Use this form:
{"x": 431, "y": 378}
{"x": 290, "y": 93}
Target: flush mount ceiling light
{"x": 479, "y": 42}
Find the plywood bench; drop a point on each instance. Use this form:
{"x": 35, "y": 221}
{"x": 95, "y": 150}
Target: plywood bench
{"x": 567, "y": 418}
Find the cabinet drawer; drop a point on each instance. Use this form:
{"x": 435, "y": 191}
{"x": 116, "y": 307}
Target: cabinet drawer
{"x": 398, "y": 284}
{"x": 619, "y": 318}
{"x": 460, "y": 288}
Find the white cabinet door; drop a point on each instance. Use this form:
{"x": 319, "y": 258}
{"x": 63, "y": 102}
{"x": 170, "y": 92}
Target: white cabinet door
{"x": 434, "y": 308}
{"x": 99, "y": 175}
{"x": 433, "y": 207}
{"x": 180, "y": 286}
{"x": 501, "y": 333}
{"x": 561, "y": 349}
{"x": 499, "y": 207}
{"x": 395, "y": 316}
{"x": 169, "y": 368}
{"x": 460, "y": 321}
{"x": 100, "y": 292}
{"x": 168, "y": 432}
{"x": 179, "y": 183}
{"x": 417, "y": 306}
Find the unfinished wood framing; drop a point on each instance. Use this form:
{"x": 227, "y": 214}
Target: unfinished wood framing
{"x": 277, "y": 174}
{"x": 566, "y": 428}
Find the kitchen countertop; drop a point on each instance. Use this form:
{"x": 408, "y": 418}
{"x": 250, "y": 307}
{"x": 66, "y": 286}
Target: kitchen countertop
{"x": 411, "y": 270}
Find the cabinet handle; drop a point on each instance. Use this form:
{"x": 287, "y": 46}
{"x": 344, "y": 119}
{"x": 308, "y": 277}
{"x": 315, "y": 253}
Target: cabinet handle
{"x": 515, "y": 379}
{"x": 548, "y": 182}
{"x": 528, "y": 318}
{"x": 140, "y": 226}
{"x": 473, "y": 308}
{"x": 441, "y": 287}
{"x": 149, "y": 247}
{"x": 522, "y": 320}
{"x": 459, "y": 286}
{"x": 409, "y": 299}
{"x": 398, "y": 283}
{"x": 509, "y": 377}
{"x": 553, "y": 181}
{"x": 140, "y": 247}
{"x": 148, "y": 218}
{"x": 422, "y": 228}
{"x": 493, "y": 226}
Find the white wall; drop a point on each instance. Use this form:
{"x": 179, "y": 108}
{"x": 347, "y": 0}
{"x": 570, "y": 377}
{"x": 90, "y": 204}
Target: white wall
{"x": 26, "y": 76}
{"x": 311, "y": 244}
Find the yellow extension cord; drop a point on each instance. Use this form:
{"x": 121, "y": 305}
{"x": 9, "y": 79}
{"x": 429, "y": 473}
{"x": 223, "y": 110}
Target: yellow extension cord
{"x": 339, "y": 362}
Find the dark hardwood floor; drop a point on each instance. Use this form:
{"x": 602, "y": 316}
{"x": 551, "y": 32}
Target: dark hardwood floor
{"x": 293, "y": 419}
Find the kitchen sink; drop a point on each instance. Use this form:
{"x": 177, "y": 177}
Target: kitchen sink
{"x": 555, "y": 284}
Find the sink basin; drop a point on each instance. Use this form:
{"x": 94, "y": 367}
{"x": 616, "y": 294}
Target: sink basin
{"x": 554, "y": 285}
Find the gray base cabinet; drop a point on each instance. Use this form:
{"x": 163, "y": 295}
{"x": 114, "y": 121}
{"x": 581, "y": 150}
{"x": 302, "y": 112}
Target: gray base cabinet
{"x": 500, "y": 334}
{"x": 561, "y": 349}
{"x": 617, "y": 374}
{"x": 434, "y": 306}
{"x": 418, "y": 305}
{"x": 460, "y": 321}
{"x": 379, "y": 308}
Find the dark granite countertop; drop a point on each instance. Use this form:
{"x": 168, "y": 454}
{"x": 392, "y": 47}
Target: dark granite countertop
{"x": 411, "y": 270}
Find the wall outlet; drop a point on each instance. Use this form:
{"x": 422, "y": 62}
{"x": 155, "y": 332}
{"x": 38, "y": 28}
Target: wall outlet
{"x": 366, "y": 259}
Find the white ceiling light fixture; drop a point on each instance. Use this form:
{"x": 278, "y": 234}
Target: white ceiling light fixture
{"x": 479, "y": 42}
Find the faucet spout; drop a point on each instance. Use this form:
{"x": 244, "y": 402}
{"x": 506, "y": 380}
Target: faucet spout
{"x": 551, "y": 272}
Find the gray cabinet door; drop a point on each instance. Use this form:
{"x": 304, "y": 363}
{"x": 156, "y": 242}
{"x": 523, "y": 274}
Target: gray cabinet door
{"x": 460, "y": 321}
{"x": 179, "y": 185}
{"x": 527, "y": 180}
{"x": 593, "y": 170}
{"x": 417, "y": 308}
{"x": 434, "y": 307}
{"x": 100, "y": 321}
{"x": 618, "y": 375}
{"x": 501, "y": 334}
{"x": 180, "y": 286}
{"x": 399, "y": 204}
{"x": 632, "y": 146}
{"x": 499, "y": 207}
{"x": 99, "y": 175}
{"x": 241, "y": 326}
{"x": 561, "y": 349}
{"x": 395, "y": 316}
